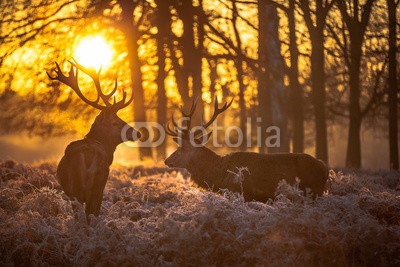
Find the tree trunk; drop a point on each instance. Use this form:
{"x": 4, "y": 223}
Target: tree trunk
{"x": 295, "y": 88}
{"x": 275, "y": 71}
{"x": 180, "y": 73}
{"x": 316, "y": 30}
{"x": 356, "y": 27}
{"x": 242, "y": 104}
{"x": 132, "y": 35}
{"x": 192, "y": 54}
{"x": 264, "y": 93}
{"x": 197, "y": 56}
{"x": 318, "y": 93}
{"x": 393, "y": 127}
{"x": 353, "y": 158}
{"x": 139, "y": 110}
{"x": 163, "y": 23}
{"x": 240, "y": 74}
{"x": 356, "y": 24}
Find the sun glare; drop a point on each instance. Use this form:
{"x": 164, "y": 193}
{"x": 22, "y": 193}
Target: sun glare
{"x": 94, "y": 52}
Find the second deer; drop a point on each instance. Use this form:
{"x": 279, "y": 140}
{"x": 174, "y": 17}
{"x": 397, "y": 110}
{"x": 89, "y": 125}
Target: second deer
{"x": 83, "y": 171}
{"x": 263, "y": 171}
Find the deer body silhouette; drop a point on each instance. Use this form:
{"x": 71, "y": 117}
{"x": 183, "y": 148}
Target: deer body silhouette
{"x": 262, "y": 173}
{"x": 83, "y": 170}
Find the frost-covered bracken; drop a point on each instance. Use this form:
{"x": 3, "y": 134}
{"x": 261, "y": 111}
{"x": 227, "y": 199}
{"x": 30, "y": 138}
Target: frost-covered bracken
{"x": 84, "y": 169}
{"x": 163, "y": 219}
{"x": 263, "y": 171}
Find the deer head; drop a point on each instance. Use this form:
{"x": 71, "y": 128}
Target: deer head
{"x": 107, "y": 126}
{"x": 191, "y": 142}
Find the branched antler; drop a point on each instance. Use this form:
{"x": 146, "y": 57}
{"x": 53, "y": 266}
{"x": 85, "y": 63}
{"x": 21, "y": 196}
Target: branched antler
{"x": 95, "y": 75}
{"x": 72, "y": 81}
{"x": 217, "y": 111}
{"x": 184, "y": 132}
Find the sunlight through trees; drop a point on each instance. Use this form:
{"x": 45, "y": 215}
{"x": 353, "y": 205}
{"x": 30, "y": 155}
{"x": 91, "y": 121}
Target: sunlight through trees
{"x": 330, "y": 57}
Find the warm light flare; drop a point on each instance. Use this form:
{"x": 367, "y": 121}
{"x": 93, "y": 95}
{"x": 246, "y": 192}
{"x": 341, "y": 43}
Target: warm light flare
{"x": 94, "y": 51}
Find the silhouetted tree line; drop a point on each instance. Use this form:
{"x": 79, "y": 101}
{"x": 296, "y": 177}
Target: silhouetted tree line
{"x": 283, "y": 57}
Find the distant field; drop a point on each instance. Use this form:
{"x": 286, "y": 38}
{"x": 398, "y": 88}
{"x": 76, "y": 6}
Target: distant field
{"x": 154, "y": 217}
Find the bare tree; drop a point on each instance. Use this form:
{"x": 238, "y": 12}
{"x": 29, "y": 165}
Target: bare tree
{"x": 356, "y": 19}
{"x": 264, "y": 92}
{"x": 271, "y": 89}
{"x": 316, "y": 31}
{"x": 275, "y": 71}
{"x": 22, "y": 22}
{"x": 163, "y": 24}
{"x": 234, "y": 50}
{"x": 296, "y": 91}
{"x": 295, "y": 96}
{"x": 130, "y": 27}
{"x": 239, "y": 63}
{"x": 191, "y": 44}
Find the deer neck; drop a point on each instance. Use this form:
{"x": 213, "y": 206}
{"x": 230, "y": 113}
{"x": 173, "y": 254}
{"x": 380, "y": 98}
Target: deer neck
{"x": 209, "y": 171}
{"x": 103, "y": 142}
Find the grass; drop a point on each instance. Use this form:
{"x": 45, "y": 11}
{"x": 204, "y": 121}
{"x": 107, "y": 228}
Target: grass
{"x": 155, "y": 217}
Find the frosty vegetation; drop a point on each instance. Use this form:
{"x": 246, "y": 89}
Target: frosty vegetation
{"x": 152, "y": 216}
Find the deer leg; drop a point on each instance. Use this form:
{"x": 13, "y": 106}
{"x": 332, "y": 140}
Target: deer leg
{"x": 90, "y": 181}
{"x": 93, "y": 204}
{"x": 79, "y": 180}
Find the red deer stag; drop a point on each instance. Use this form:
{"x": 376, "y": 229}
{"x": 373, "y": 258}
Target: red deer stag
{"x": 83, "y": 170}
{"x": 264, "y": 171}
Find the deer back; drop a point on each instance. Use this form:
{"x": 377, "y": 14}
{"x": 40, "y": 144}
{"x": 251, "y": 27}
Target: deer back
{"x": 263, "y": 172}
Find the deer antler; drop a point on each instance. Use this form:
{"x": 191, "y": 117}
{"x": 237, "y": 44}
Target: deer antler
{"x": 188, "y": 116}
{"x": 217, "y": 111}
{"x": 200, "y": 133}
{"x": 184, "y": 132}
{"x": 95, "y": 75}
{"x": 170, "y": 131}
{"x": 72, "y": 81}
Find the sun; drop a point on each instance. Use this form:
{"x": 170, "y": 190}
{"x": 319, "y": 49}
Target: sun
{"x": 94, "y": 51}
